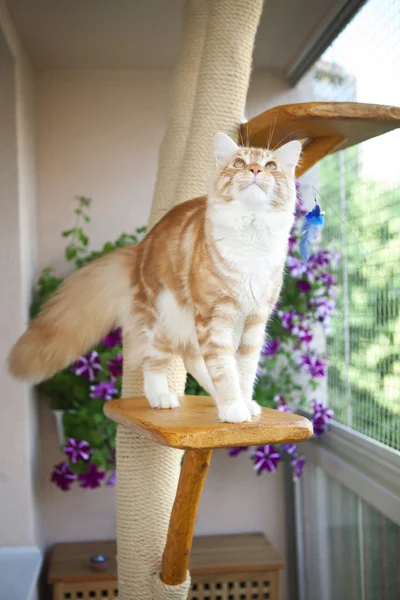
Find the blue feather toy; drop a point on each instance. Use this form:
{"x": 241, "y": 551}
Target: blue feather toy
{"x": 313, "y": 223}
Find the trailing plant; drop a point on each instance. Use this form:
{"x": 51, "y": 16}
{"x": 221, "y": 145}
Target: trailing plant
{"x": 288, "y": 376}
{"x": 82, "y": 389}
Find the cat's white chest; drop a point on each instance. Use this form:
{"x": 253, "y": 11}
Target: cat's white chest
{"x": 254, "y": 246}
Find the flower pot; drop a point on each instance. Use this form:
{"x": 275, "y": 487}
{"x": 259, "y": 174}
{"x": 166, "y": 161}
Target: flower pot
{"x": 58, "y": 415}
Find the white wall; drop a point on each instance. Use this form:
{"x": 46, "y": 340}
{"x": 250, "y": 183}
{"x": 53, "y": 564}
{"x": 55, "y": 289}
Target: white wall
{"x": 18, "y": 515}
{"x": 98, "y": 135}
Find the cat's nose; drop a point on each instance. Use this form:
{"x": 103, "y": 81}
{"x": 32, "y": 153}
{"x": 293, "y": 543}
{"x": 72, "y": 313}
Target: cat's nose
{"x": 255, "y": 169}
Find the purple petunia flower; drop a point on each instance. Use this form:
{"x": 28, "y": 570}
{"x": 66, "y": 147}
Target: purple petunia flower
{"x": 322, "y": 416}
{"x": 300, "y": 327}
{"x": 290, "y": 449}
{"x": 62, "y": 476}
{"x": 296, "y": 267}
{"x": 288, "y": 318}
{"x": 114, "y": 338}
{"x": 323, "y": 259}
{"x": 86, "y": 366}
{"x": 104, "y": 389}
{"x": 272, "y": 347}
{"x": 292, "y": 242}
{"x": 266, "y": 458}
{"x": 314, "y": 365}
{"x": 319, "y": 427}
{"x": 305, "y": 334}
{"x": 323, "y": 308}
{"x": 303, "y": 286}
{"x": 237, "y": 450}
{"x": 297, "y": 325}
{"x": 77, "y": 450}
{"x": 321, "y": 410}
{"x": 327, "y": 279}
{"x": 320, "y": 259}
{"x": 281, "y": 404}
{"x": 115, "y": 366}
{"x": 298, "y": 465}
{"x": 92, "y": 478}
{"x": 112, "y": 480}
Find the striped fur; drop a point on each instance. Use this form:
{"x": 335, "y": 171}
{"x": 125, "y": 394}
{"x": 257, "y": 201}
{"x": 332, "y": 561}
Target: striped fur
{"x": 202, "y": 284}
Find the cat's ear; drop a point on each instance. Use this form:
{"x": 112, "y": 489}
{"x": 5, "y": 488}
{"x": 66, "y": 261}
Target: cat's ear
{"x": 224, "y": 146}
{"x": 289, "y": 154}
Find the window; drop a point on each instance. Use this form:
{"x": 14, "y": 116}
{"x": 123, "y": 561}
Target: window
{"x": 360, "y": 191}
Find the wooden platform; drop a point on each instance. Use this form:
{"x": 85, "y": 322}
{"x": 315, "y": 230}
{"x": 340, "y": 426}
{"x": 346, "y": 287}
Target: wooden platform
{"x": 194, "y": 425}
{"x": 323, "y": 127}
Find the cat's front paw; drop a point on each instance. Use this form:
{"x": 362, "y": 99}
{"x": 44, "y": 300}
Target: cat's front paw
{"x": 254, "y": 408}
{"x": 166, "y": 400}
{"x": 237, "y": 412}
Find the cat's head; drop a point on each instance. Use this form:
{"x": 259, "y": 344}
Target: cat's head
{"x": 257, "y": 177}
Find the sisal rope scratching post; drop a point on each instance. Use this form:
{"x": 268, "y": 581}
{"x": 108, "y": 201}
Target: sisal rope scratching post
{"x": 215, "y": 63}
{"x": 183, "y": 93}
{"x": 222, "y": 87}
{"x": 147, "y": 474}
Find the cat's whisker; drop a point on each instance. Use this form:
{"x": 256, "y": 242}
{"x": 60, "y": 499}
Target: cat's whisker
{"x": 240, "y": 135}
{"x": 285, "y": 138}
{"x": 272, "y": 131}
{"x": 249, "y": 133}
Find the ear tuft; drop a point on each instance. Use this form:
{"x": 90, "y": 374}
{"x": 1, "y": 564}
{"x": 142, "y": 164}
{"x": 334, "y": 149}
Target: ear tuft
{"x": 289, "y": 154}
{"x": 224, "y": 146}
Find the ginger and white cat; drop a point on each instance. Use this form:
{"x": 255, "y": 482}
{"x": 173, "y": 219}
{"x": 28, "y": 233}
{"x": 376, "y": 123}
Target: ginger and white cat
{"x": 202, "y": 284}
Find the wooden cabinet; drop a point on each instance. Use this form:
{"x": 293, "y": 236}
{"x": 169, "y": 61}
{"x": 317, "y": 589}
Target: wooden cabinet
{"x": 234, "y": 567}
{"x": 223, "y": 567}
{"x": 71, "y": 574}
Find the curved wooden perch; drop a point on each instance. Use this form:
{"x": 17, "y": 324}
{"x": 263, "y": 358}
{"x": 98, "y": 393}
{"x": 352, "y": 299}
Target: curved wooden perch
{"x": 194, "y": 427}
{"x": 323, "y": 127}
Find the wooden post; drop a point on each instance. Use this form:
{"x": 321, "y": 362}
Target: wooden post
{"x": 183, "y": 517}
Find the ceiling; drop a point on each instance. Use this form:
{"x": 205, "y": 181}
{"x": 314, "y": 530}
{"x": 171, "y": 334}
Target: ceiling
{"x": 145, "y": 34}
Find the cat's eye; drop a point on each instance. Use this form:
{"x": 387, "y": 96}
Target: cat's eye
{"x": 239, "y": 163}
{"x": 271, "y": 165}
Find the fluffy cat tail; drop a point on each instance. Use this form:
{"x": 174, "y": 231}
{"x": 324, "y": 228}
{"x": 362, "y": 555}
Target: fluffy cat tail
{"x": 84, "y": 309}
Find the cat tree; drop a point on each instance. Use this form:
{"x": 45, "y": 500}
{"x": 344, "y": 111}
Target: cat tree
{"x": 156, "y": 499}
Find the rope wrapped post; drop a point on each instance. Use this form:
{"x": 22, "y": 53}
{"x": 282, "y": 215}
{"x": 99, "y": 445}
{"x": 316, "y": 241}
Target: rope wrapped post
{"x": 221, "y": 88}
{"x": 147, "y": 474}
{"x": 183, "y": 92}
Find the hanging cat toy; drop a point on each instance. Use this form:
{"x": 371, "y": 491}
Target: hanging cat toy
{"x": 313, "y": 223}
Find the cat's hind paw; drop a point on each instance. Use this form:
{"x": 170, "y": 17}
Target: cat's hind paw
{"x": 237, "y": 412}
{"x": 166, "y": 400}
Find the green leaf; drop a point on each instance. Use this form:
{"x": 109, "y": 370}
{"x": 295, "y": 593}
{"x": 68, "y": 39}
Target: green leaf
{"x": 71, "y": 252}
{"x": 83, "y": 201}
{"x": 82, "y": 237}
{"x": 108, "y": 247}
